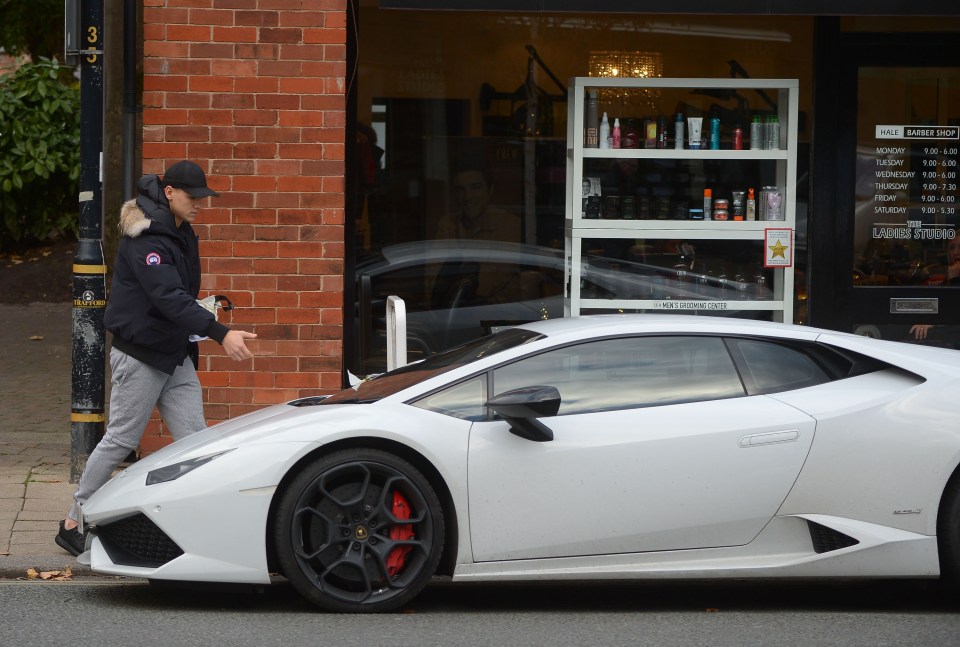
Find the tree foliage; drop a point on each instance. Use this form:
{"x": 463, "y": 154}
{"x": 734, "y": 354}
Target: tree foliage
{"x": 39, "y": 154}
{"x": 34, "y": 28}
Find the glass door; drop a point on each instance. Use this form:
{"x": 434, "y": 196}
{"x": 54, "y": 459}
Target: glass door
{"x": 897, "y": 229}
{"x": 906, "y": 239}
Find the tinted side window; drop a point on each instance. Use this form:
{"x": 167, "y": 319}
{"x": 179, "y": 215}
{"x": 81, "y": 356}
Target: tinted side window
{"x": 464, "y": 400}
{"x": 774, "y": 367}
{"x": 628, "y": 372}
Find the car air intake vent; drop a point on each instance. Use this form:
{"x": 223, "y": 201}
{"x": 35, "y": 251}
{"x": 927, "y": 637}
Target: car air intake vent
{"x": 826, "y": 539}
{"x": 137, "y": 541}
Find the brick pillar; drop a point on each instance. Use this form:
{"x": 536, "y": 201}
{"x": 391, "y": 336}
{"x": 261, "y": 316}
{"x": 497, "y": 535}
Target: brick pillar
{"x": 254, "y": 93}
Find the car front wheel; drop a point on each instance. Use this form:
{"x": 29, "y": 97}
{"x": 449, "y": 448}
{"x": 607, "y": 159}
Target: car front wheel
{"x": 359, "y": 530}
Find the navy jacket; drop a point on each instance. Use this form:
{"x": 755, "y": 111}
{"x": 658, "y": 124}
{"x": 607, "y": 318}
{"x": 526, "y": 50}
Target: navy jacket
{"x": 152, "y": 310}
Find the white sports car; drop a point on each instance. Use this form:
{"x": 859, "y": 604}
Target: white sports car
{"x": 612, "y": 447}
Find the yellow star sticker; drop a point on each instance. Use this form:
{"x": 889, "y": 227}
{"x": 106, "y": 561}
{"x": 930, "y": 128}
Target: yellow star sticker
{"x": 779, "y": 250}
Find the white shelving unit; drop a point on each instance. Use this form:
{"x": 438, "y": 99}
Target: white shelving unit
{"x": 578, "y": 229}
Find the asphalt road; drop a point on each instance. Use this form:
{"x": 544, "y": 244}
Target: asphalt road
{"x": 107, "y": 612}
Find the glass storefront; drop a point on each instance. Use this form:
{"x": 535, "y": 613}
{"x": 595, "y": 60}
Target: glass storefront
{"x": 461, "y": 120}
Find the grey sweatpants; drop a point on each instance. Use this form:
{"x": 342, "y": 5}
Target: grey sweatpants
{"x": 136, "y": 388}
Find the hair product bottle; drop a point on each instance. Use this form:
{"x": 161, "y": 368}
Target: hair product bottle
{"x": 662, "y": 134}
{"x": 756, "y": 133}
{"x": 604, "y": 132}
{"x": 715, "y": 130}
{"x": 695, "y": 123}
{"x": 591, "y": 133}
{"x": 773, "y": 133}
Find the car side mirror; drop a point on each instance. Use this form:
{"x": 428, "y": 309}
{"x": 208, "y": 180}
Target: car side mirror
{"x": 521, "y": 408}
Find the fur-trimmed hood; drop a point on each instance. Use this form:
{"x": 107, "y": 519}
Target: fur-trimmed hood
{"x": 133, "y": 221}
{"x": 149, "y": 210}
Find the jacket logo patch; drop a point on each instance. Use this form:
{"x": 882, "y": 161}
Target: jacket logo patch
{"x": 153, "y": 258}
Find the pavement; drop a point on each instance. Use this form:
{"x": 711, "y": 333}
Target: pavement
{"x": 35, "y": 394}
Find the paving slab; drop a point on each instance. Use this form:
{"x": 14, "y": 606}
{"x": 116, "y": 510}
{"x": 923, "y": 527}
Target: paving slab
{"x": 35, "y": 394}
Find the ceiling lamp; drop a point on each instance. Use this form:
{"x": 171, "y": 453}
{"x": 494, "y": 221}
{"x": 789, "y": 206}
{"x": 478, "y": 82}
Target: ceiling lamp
{"x": 626, "y": 65}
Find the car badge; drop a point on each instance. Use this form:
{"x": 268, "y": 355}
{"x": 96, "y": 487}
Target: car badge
{"x": 361, "y": 532}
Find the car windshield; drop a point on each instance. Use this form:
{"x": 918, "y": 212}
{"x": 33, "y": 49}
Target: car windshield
{"x": 372, "y": 389}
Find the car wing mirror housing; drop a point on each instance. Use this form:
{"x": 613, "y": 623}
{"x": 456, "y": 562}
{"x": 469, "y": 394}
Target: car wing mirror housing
{"x": 521, "y": 408}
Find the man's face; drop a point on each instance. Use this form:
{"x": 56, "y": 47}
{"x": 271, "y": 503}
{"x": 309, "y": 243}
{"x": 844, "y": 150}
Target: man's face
{"x": 953, "y": 250}
{"x": 183, "y": 206}
{"x": 472, "y": 193}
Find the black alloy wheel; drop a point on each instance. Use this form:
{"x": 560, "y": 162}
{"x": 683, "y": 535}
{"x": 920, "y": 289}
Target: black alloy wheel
{"x": 948, "y": 534}
{"x": 359, "y": 530}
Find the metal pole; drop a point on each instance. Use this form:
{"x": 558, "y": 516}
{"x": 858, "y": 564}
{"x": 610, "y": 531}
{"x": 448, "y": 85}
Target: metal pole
{"x": 89, "y": 270}
{"x": 130, "y": 94}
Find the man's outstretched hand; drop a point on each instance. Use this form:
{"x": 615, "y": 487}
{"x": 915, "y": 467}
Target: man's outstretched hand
{"x": 235, "y": 345}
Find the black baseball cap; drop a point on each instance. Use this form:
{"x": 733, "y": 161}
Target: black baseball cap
{"x": 188, "y": 176}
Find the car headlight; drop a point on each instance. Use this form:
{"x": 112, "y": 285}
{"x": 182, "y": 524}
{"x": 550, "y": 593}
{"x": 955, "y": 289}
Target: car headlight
{"x": 175, "y": 471}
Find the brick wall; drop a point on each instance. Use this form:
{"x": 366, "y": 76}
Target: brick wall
{"x": 253, "y": 91}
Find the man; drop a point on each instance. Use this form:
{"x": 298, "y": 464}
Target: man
{"x": 152, "y": 313}
{"x": 477, "y": 218}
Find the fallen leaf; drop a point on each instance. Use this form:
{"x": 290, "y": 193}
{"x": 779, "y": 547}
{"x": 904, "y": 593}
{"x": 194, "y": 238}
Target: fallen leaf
{"x": 34, "y": 259}
{"x": 16, "y": 261}
{"x": 32, "y": 574}
{"x": 57, "y": 576}
{"x": 47, "y": 253}
{"x": 36, "y": 337}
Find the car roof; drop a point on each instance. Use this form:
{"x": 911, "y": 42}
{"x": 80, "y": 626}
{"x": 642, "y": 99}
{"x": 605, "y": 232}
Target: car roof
{"x": 922, "y": 360}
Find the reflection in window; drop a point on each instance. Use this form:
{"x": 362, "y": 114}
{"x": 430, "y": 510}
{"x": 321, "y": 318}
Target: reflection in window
{"x": 630, "y": 372}
{"x": 464, "y": 400}
{"x": 774, "y": 367}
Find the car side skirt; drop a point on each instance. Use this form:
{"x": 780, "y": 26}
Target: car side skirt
{"x": 784, "y": 549}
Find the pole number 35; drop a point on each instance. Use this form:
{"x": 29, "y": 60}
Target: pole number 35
{"x": 92, "y": 36}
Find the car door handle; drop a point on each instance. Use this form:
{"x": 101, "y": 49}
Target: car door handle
{"x": 770, "y": 438}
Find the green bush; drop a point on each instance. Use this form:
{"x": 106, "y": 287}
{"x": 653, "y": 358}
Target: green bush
{"x": 39, "y": 154}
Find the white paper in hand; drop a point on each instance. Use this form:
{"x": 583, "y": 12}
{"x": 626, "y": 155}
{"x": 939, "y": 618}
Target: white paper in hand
{"x": 208, "y": 303}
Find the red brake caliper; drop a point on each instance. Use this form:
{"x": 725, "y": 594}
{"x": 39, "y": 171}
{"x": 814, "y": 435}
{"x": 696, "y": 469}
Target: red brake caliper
{"x": 401, "y": 510}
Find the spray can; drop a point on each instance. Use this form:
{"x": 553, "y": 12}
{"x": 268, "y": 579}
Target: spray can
{"x": 715, "y": 130}
{"x": 773, "y": 133}
{"x": 751, "y": 205}
{"x": 591, "y": 134}
{"x": 678, "y": 131}
{"x": 756, "y": 133}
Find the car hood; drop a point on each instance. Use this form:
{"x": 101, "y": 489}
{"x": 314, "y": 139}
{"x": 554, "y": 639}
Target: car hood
{"x": 281, "y": 423}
